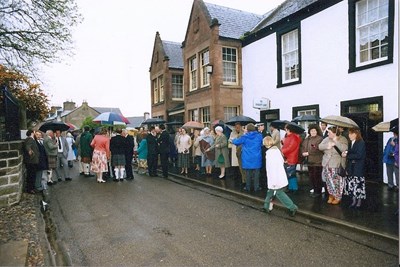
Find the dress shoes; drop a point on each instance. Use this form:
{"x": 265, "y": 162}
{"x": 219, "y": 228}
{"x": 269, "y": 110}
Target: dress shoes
{"x": 59, "y": 179}
{"x": 68, "y": 179}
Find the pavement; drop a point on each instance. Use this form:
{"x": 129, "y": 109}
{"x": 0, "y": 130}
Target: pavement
{"x": 377, "y": 216}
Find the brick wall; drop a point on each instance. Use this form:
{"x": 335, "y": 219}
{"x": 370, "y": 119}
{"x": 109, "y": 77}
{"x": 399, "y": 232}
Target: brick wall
{"x": 12, "y": 172}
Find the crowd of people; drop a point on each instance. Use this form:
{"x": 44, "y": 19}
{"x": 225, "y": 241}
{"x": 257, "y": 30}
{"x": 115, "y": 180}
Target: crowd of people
{"x": 335, "y": 158}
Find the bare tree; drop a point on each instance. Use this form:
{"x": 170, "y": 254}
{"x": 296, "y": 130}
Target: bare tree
{"x": 35, "y": 31}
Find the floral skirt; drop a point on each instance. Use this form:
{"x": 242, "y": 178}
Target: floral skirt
{"x": 355, "y": 187}
{"x": 334, "y": 182}
{"x": 99, "y": 161}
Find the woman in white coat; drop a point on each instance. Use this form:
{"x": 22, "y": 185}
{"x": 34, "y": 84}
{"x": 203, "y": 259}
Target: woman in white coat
{"x": 276, "y": 177}
{"x": 71, "y": 153}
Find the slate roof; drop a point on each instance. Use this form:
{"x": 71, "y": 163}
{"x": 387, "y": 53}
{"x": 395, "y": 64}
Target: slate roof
{"x": 282, "y": 11}
{"x": 173, "y": 51}
{"x": 103, "y": 109}
{"x": 135, "y": 122}
{"x": 234, "y": 23}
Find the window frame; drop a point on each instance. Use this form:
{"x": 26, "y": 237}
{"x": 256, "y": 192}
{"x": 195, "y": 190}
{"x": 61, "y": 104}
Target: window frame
{"x": 193, "y": 73}
{"x": 227, "y": 113}
{"x": 280, "y": 72}
{"x": 204, "y": 75}
{"x": 177, "y": 85}
{"x": 205, "y": 116}
{"x": 235, "y": 62}
{"x": 155, "y": 91}
{"x": 354, "y": 42}
{"x": 161, "y": 88}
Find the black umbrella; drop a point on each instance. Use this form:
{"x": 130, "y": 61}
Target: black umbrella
{"x": 307, "y": 117}
{"x": 280, "y": 124}
{"x": 54, "y": 125}
{"x": 243, "y": 120}
{"x": 153, "y": 121}
{"x": 394, "y": 124}
{"x": 171, "y": 123}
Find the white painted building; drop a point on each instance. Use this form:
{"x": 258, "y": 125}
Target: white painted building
{"x": 305, "y": 58}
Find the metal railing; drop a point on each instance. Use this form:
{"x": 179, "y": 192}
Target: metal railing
{"x": 9, "y": 116}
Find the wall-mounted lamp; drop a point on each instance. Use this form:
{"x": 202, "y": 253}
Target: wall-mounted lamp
{"x": 209, "y": 69}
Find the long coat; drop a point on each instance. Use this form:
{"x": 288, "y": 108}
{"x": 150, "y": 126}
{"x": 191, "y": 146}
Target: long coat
{"x": 235, "y": 148}
{"x": 163, "y": 142}
{"x": 356, "y": 159}
{"x": 310, "y": 145}
{"x": 332, "y": 158}
{"x": 276, "y": 174}
{"x": 85, "y": 141}
{"x": 220, "y": 146}
{"x": 31, "y": 146}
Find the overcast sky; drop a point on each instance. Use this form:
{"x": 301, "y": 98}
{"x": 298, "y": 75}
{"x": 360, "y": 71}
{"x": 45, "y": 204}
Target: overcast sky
{"x": 113, "y": 48}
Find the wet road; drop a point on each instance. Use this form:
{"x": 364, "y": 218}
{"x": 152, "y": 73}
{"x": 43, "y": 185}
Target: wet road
{"x": 157, "y": 222}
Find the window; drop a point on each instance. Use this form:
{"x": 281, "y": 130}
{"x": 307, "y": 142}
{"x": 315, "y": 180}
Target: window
{"x": 177, "y": 87}
{"x": 290, "y": 57}
{"x": 193, "y": 73}
{"x": 161, "y": 82}
{"x": 155, "y": 91}
{"x": 230, "y": 112}
{"x": 205, "y": 76}
{"x": 306, "y": 110}
{"x": 371, "y": 26}
{"x": 193, "y": 115}
{"x": 205, "y": 116}
{"x": 229, "y": 64}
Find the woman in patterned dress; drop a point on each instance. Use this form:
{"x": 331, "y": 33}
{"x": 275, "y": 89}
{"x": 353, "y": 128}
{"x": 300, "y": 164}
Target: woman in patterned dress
{"x": 101, "y": 154}
{"x": 355, "y": 181}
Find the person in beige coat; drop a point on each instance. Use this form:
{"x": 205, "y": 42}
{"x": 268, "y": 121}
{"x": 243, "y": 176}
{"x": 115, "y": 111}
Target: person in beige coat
{"x": 220, "y": 147}
{"x": 236, "y": 151}
{"x": 333, "y": 163}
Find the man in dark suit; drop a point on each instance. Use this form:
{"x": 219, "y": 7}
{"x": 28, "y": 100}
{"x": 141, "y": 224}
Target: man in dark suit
{"x": 31, "y": 159}
{"x": 130, "y": 142}
{"x": 152, "y": 148}
{"x": 324, "y": 129}
{"x": 163, "y": 148}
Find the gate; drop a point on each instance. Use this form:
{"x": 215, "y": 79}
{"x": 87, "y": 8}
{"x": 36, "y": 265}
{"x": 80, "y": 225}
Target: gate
{"x": 9, "y": 116}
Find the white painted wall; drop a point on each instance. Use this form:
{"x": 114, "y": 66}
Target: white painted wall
{"x": 325, "y": 77}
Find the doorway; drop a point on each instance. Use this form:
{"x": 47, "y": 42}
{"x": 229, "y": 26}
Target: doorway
{"x": 367, "y": 113}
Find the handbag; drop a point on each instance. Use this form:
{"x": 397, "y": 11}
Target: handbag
{"x": 221, "y": 159}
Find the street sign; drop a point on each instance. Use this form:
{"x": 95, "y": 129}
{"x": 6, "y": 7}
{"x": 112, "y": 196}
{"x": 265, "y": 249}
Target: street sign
{"x": 261, "y": 103}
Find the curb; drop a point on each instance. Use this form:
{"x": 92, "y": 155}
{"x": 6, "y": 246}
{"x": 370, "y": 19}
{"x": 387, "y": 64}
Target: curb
{"x": 305, "y": 213}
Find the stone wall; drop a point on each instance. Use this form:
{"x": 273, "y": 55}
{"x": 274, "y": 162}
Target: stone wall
{"x": 12, "y": 172}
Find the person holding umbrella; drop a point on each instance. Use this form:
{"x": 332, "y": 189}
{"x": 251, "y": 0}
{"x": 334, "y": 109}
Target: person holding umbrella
{"x": 333, "y": 164}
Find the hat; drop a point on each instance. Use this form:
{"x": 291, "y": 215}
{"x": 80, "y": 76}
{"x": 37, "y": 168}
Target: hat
{"x": 206, "y": 129}
{"x": 259, "y": 124}
{"x": 219, "y": 129}
{"x": 250, "y": 127}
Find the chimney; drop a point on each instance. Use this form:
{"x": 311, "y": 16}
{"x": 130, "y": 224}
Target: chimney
{"x": 69, "y": 105}
{"x": 146, "y": 115}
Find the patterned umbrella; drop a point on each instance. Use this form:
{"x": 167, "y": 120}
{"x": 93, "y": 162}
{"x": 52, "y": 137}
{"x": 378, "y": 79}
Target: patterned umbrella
{"x": 340, "y": 121}
{"x": 193, "y": 124}
{"x": 110, "y": 118}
